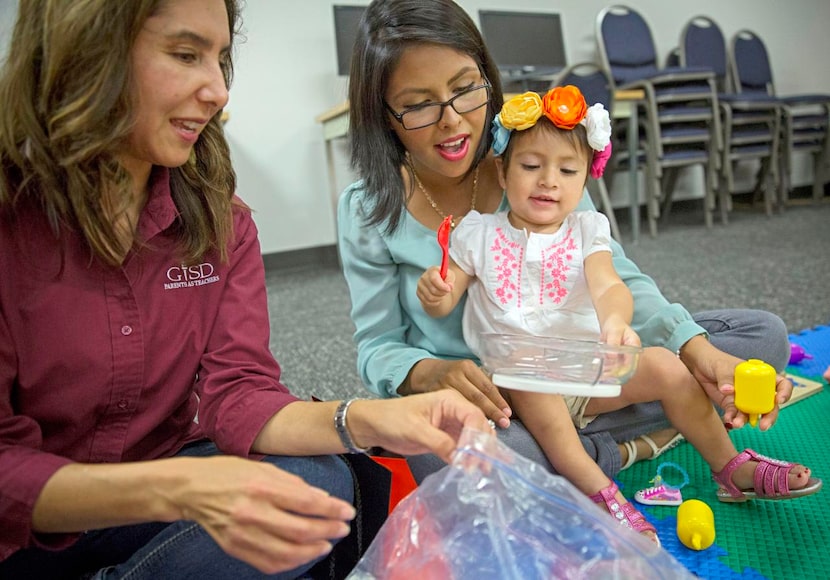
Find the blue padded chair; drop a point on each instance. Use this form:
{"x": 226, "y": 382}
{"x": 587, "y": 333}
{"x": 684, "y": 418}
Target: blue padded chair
{"x": 680, "y": 105}
{"x": 805, "y": 117}
{"x": 749, "y": 123}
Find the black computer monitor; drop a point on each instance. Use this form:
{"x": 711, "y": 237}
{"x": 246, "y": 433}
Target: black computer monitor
{"x": 346, "y": 19}
{"x": 524, "y": 41}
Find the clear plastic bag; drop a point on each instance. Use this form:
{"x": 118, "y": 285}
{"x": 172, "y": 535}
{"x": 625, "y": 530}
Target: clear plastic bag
{"x": 494, "y": 514}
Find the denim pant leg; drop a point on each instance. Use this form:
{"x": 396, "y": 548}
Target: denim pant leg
{"x": 748, "y": 334}
{"x": 600, "y": 446}
{"x": 183, "y": 550}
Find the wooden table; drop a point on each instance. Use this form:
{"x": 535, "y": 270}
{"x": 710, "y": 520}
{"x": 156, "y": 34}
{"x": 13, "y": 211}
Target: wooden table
{"x": 335, "y": 122}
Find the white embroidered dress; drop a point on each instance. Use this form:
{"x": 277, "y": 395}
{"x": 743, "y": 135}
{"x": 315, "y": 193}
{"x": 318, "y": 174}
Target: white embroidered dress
{"x": 528, "y": 283}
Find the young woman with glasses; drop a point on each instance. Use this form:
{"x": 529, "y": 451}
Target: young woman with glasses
{"x": 423, "y": 93}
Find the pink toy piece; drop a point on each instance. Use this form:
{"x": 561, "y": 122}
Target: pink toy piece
{"x": 659, "y": 495}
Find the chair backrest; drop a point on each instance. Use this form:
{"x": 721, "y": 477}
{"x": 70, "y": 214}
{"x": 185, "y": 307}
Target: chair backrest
{"x": 625, "y": 44}
{"x": 751, "y": 71}
{"x": 592, "y": 80}
{"x": 702, "y": 44}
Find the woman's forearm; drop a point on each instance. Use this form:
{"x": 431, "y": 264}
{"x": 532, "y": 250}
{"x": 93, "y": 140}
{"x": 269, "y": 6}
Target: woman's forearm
{"x": 81, "y": 497}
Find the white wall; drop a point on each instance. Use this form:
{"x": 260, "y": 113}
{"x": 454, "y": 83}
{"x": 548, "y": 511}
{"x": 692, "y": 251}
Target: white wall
{"x": 286, "y": 76}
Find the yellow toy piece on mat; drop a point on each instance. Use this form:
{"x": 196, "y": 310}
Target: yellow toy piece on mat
{"x": 695, "y": 524}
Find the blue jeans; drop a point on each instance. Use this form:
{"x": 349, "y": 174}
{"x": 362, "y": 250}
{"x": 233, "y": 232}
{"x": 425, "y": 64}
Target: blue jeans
{"x": 742, "y": 333}
{"x": 181, "y": 550}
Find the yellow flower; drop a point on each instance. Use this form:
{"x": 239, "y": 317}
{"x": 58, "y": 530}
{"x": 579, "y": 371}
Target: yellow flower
{"x": 521, "y": 112}
{"x": 564, "y": 106}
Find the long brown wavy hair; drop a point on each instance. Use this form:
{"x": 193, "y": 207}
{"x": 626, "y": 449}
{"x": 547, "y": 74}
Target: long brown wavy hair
{"x": 67, "y": 108}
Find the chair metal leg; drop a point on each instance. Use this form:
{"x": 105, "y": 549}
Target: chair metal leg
{"x": 652, "y": 204}
{"x": 708, "y": 196}
{"x": 724, "y": 198}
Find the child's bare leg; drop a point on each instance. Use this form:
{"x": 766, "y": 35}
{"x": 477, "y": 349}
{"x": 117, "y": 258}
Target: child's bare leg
{"x": 662, "y": 376}
{"x": 548, "y": 419}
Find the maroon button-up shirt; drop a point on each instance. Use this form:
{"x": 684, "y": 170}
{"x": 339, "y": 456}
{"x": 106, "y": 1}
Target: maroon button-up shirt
{"x": 105, "y": 365}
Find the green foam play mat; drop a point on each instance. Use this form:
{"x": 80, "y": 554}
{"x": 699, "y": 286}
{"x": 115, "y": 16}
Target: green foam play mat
{"x": 758, "y": 539}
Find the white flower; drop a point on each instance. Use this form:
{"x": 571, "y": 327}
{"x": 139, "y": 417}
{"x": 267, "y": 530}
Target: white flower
{"x": 598, "y": 125}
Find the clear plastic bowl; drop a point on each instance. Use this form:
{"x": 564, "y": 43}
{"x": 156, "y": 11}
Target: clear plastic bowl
{"x": 557, "y": 365}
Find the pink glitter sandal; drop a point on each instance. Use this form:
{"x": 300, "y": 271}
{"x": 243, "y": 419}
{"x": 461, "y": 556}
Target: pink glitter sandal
{"x": 626, "y": 514}
{"x": 770, "y": 480}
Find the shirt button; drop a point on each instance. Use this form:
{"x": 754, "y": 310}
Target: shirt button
{"x": 122, "y": 404}
{"x": 126, "y": 330}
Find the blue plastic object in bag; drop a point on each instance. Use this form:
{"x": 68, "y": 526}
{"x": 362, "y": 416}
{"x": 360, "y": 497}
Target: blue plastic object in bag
{"x": 494, "y": 514}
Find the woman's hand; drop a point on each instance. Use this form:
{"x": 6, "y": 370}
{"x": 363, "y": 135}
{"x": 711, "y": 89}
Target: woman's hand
{"x": 715, "y": 371}
{"x": 464, "y": 376}
{"x": 267, "y": 517}
{"x": 425, "y": 423}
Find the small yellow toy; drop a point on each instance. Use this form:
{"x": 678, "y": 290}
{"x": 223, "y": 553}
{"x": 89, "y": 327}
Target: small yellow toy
{"x": 754, "y": 389}
{"x": 695, "y": 524}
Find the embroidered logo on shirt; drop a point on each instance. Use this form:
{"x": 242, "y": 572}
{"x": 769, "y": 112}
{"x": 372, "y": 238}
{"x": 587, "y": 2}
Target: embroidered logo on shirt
{"x": 508, "y": 258}
{"x": 189, "y": 276}
{"x": 555, "y": 264}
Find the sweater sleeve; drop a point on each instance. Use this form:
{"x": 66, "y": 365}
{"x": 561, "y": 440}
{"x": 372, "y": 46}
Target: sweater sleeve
{"x": 24, "y": 467}
{"x": 239, "y": 380}
{"x": 384, "y": 358}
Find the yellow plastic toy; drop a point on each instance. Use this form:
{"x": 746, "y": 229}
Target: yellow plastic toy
{"x": 695, "y": 524}
{"x": 754, "y": 388}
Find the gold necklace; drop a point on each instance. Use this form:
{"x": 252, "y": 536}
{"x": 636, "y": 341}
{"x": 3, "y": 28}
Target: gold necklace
{"x": 435, "y": 205}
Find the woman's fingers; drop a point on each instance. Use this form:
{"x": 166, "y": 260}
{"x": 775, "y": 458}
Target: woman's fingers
{"x": 429, "y": 422}
{"x": 260, "y": 514}
{"x": 270, "y": 553}
{"x": 463, "y": 376}
{"x": 469, "y": 380}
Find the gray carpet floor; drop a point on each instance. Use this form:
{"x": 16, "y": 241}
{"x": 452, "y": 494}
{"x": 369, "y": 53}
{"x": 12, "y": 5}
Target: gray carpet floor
{"x": 779, "y": 263}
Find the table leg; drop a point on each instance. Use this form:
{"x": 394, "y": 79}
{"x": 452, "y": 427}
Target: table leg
{"x": 634, "y": 198}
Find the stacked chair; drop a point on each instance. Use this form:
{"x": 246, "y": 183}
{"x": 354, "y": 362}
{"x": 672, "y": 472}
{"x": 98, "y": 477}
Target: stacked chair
{"x": 681, "y": 121}
{"x": 805, "y": 118}
{"x": 749, "y": 121}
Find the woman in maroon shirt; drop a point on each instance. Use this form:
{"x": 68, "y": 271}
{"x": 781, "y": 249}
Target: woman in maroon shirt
{"x": 138, "y": 394}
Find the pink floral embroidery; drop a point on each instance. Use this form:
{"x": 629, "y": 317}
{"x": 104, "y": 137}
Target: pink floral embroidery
{"x": 507, "y": 257}
{"x": 555, "y": 267}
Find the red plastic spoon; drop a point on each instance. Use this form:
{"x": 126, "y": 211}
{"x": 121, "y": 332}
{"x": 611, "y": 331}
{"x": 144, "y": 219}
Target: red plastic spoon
{"x": 444, "y": 242}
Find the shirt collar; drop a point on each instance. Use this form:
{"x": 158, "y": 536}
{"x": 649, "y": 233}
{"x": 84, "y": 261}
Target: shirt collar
{"x": 160, "y": 211}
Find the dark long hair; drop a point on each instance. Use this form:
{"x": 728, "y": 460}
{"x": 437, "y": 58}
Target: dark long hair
{"x": 67, "y": 107}
{"x": 386, "y": 29}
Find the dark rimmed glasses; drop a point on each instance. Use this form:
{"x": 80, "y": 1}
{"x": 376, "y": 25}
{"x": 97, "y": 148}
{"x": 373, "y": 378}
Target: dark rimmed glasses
{"x": 421, "y": 116}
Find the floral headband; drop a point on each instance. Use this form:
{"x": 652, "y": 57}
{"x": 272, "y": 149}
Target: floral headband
{"x": 566, "y": 108}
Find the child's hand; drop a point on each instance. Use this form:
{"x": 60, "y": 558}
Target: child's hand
{"x": 617, "y": 332}
{"x": 431, "y": 288}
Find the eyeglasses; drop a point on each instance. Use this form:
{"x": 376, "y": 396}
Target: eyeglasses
{"x": 421, "y": 116}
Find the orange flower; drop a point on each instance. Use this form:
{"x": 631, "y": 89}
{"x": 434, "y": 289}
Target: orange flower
{"x": 521, "y": 112}
{"x": 564, "y": 106}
